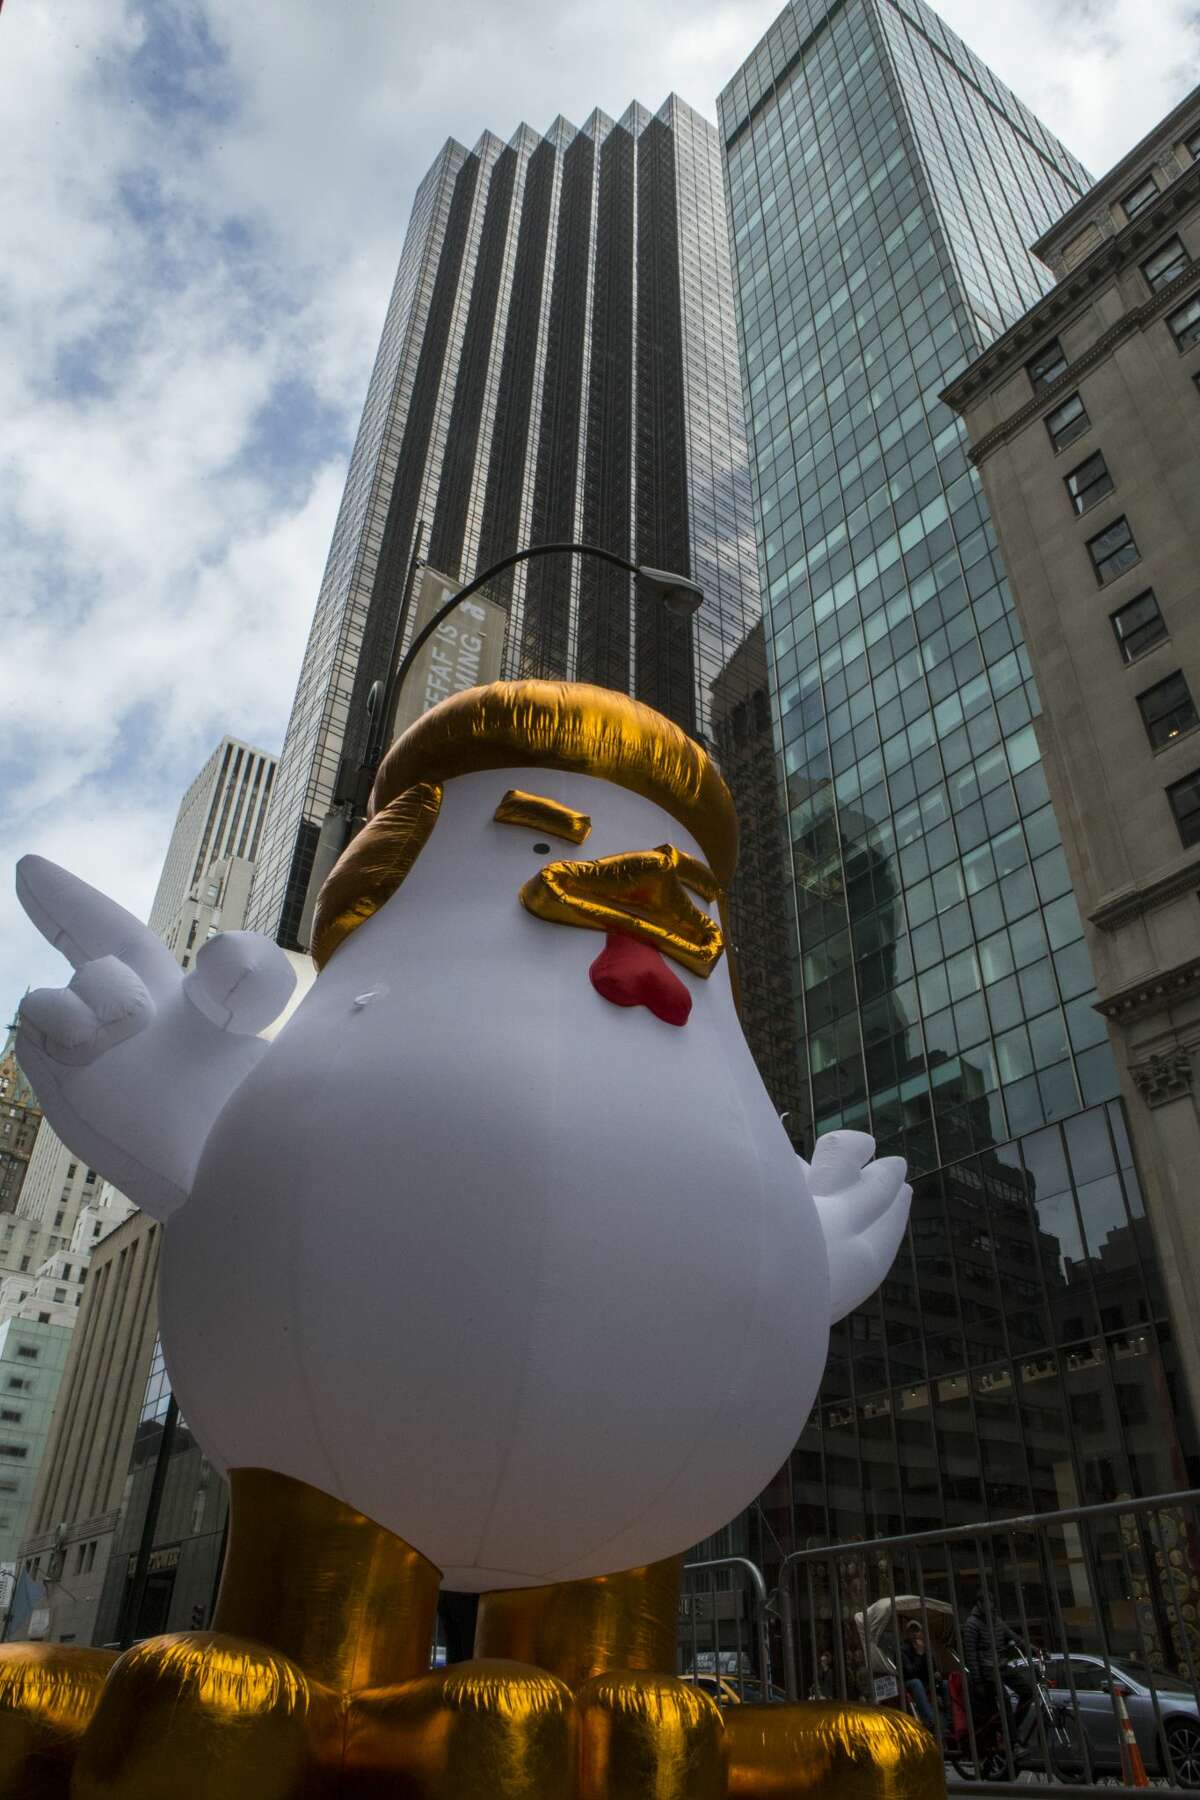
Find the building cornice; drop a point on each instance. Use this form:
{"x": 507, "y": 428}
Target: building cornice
{"x": 1159, "y": 142}
{"x": 1130, "y": 903}
{"x": 1151, "y": 993}
{"x": 1065, "y": 298}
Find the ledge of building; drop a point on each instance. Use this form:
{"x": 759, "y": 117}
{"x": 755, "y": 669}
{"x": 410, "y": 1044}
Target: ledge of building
{"x": 1151, "y": 993}
{"x": 1140, "y": 897}
{"x": 1007, "y": 353}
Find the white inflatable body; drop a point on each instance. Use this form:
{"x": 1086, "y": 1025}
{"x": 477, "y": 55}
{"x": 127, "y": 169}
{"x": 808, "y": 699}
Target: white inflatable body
{"x": 533, "y": 1280}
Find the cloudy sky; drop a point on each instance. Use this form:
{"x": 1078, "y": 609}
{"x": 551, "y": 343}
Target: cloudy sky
{"x": 204, "y": 201}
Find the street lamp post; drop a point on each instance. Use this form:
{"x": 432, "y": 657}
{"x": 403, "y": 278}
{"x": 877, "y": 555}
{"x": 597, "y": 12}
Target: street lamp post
{"x": 677, "y": 593}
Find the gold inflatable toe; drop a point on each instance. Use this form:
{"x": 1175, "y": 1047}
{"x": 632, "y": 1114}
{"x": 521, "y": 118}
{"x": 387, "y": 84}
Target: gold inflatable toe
{"x": 484, "y": 1730}
{"x": 646, "y": 1735}
{"x": 200, "y": 1716}
{"x": 816, "y": 1751}
{"x": 48, "y": 1693}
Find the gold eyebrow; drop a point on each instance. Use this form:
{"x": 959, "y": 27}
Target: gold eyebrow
{"x": 540, "y": 814}
{"x": 696, "y": 875}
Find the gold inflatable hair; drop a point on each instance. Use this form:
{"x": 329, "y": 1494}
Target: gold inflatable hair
{"x": 519, "y": 725}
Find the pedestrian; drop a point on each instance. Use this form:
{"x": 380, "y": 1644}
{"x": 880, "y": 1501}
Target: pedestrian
{"x": 914, "y": 1666}
{"x": 988, "y": 1647}
{"x": 823, "y": 1686}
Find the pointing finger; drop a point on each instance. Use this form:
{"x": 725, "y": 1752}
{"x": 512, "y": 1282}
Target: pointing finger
{"x": 838, "y": 1159}
{"x": 84, "y": 923}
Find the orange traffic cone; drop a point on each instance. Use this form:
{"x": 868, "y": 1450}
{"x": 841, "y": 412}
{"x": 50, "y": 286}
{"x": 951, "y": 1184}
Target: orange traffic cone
{"x": 1133, "y": 1769}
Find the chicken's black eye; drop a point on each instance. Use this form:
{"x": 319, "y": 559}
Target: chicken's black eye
{"x": 541, "y": 849}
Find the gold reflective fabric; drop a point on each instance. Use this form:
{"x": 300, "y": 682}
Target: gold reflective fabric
{"x": 824, "y": 1751}
{"x": 649, "y": 1737}
{"x": 372, "y": 866}
{"x": 477, "y": 1731}
{"x": 48, "y": 1694}
{"x": 350, "y": 1603}
{"x": 205, "y": 1717}
{"x": 577, "y": 1629}
{"x": 540, "y": 814}
{"x": 639, "y": 893}
{"x": 573, "y": 726}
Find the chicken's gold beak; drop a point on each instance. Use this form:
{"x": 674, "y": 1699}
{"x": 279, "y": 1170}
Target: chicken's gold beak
{"x": 642, "y": 893}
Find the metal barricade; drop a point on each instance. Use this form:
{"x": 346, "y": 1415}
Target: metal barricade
{"x": 1037, "y": 1635}
{"x": 724, "y": 1639}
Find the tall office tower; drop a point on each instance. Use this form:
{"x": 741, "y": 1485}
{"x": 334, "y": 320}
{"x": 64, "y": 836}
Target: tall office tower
{"x": 883, "y": 189}
{"x": 558, "y": 363}
{"x": 220, "y": 817}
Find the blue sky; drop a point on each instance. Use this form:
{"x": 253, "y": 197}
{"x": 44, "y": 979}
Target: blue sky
{"x": 204, "y": 204}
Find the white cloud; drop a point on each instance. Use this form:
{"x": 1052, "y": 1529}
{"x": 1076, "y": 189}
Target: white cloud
{"x": 204, "y": 203}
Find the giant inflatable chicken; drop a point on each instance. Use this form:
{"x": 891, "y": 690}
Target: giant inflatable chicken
{"x": 494, "y": 1268}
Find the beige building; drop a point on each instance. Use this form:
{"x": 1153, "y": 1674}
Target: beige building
{"x": 1085, "y": 425}
{"x": 69, "y": 1530}
{"x": 20, "y": 1117}
{"x": 57, "y": 1186}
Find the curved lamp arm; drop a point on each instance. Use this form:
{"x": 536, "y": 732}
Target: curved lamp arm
{"x": 677, "y": 593}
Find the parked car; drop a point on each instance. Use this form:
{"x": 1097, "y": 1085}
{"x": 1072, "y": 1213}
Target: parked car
{"x": 1174, "y": 1722}
{"x": 729, "y": 1690}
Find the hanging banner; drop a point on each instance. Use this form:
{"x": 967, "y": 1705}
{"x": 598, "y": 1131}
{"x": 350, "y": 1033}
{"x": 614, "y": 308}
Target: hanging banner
{"x": 464, "y": 652}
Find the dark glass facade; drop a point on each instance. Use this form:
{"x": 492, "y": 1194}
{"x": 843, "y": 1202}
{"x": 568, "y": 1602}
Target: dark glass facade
{"x": 883, "y": 187}
{"x": 188, "y": 1536}
{"x": 559, "y": 363}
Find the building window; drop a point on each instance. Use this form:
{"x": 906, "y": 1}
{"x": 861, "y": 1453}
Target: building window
{"x": 1138, "y": 626}
{"x": 24, "y": 1264}
{"x": 30, "y": 1351}
{"x": 1185, "y": 323}
{"x": 1192, "y": 146}
{"x": 16, "y": 1383}
{"x": 1185, "y": 804}
{"x": 1113, "y": 551}
{"x": 1046, "y": 366}
{"x": 1089, "y": 482}
{"x": 1140, "y": 197}
{"x": 1168, "y": 261}
{"x": 9, "y": 1416}
{"x": 90, "y": 1563}
{"x": 60, "y": 1295}
{"x": 1167, "y": 710}
{"x": 1067, "y": 422}
{"x": 58, "y": 1218}
{"x": 18, "y": 1452}
{"x": 89, "y": 1179}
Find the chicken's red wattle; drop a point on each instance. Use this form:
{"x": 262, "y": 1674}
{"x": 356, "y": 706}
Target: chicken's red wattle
{"x": 632, "y": 973}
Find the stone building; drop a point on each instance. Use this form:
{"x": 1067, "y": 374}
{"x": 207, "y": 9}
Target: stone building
{"x": 1085, "y": 425}
{"x": 32, "y": 1355}
{"x": 20, "y": 1116}
{"x": 77, "y": 1501}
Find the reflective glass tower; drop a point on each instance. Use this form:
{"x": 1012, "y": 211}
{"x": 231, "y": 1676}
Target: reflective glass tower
{"x": 559, "y": 362}
{"x": 883, "y": 188}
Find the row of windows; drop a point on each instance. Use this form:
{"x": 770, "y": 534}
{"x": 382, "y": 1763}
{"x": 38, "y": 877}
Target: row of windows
{"x": 1167, "y": 708}
{"x": 1160, "y": 270}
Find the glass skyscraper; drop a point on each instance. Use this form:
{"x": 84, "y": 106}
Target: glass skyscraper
{"x": 883, "y": 188}
{"x": 559, "y": 362}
